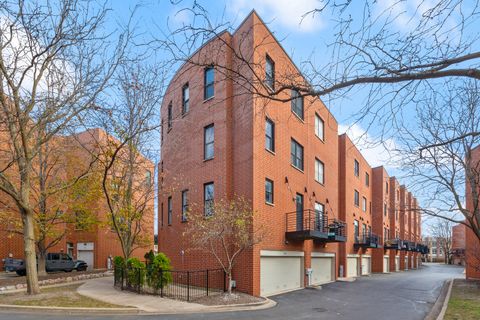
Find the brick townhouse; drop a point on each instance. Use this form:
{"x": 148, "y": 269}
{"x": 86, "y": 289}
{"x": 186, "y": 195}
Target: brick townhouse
{"x": 96, "y": 244}
{"x": 458, "y": 244}
{"x": 472, "y": 245}
{"x": 284, "y": 157}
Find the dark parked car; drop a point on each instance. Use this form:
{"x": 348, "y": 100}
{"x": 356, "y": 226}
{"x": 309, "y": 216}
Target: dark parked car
{"x": 54, "y": 262}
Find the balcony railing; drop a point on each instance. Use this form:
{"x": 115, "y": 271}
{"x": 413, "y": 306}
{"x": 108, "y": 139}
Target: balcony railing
{"x": 367, "y": 240}
{"x": 311, "y": 224}
{"x": 395, "y": 244}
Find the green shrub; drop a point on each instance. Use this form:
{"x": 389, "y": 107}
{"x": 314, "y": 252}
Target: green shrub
{"x": 118, "y": 261}
{"x": 159, "y": 274}
{"x": 136, "y": 272}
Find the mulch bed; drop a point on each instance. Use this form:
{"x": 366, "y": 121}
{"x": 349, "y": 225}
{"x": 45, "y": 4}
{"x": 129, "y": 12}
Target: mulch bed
{"x": 225, "y": 299}
{"x": 14, "y": 279}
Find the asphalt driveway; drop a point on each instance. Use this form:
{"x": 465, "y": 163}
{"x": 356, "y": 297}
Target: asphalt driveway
{"x": 403, "y": 296}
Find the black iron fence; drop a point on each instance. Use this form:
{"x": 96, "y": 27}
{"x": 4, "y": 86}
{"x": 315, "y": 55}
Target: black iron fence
{"x": 367, "y": 239}
{"x": 180, "y": 285}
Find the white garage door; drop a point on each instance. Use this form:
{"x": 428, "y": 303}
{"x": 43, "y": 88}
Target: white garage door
{"x": 322, "y": 270}
{"x": 280, "y": 273}
{"x": 87, "y": 256}
{"x": 397, "y": 263}
{"x": 406, "y": 262}
{"x": 386, "y": 264}
{"x": 366, "y": 265}
{"x": 352, "y": 267}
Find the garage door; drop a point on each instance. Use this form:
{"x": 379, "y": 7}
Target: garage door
{"x": 352, "y": 267}
{"x": 280, "y": 273}
{"x": 397, "y": 263}
{"x": 322, "y": 270}
{"x": 87, "y": 256}
{"x": 406, "y": 262}
{"x": 386, "y": 264}
{"x": 366, "y": 265}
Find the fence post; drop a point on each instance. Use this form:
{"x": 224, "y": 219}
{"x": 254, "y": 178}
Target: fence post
{"x": 207, "y": 282}
{"x": 224, "y": 281}
{"x": 161, "y": 283}
{"x": 188, "y": 285}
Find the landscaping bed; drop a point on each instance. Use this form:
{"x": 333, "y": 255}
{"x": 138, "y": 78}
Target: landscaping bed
{"x": 225, "y": 299}
{"x": 464, "y": 303}
{"x": 63, "y": 296}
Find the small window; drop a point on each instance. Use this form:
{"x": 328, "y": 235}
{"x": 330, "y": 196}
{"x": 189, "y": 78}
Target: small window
{"x": 209, "y": 79}
{"x": 319, "y": 171}
{"x": 297, "y": 103}
{"x": 355, "y": 228}
{"x": 148, "y": 178}
{"x": 268, "y": 191}
{"x": 184, "y": 205}
{"x": 386, "y": 187}
{"x": 296, "y": 154}
{"x": 269, "y": 135}
{"x": 270, "y": 73}
{"x": 364, "y": 204}
{"x": 209, "y": 138}
{"x": 169, "y": 211}
{"x": 356, "y": 168}
{"x": 385, "y": 209}
{"x": 170, "y": 116}
{"x": 367, "y": 179}
{"x": 185, "y": 99}
{"x": 356, "y": 198}
{"x": 208, "y": 198}
{"x": 319, "y": 127}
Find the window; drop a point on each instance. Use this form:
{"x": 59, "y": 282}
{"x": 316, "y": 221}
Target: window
{"x": 385, "y": 209}
{"x": 269, "y": 135}
{"x": 364, "y": 204}
{"x": 297, "y": 154}
{"x": 356, "y": 198}
{"x": 185, "y": 99}
{"x": 369, "y": 231}
{"x": 385, "y": 233}
{"x": 364, "y": 229}
{"x": 170, "y": 116}
{"x": 169, "y": 211}
{"x": 356, "y": 168}
{"x": 208, "y": 197}
{"x": 161, "y": 217}
{"x": 268, "y": 191}
{"x": 319, "y": 171}
{"x": 386, "y": 187}
{"x": 209, "y": 79}
{"x": 297, "y": 103}
{"x": 319, "y": 127}
{"x": 319, "y": 216}
{"x": 208, "y": 149}
{"x": 270, "y": 73}
{"x": 355, "y": 228}
{"x": 367, "y": 179}
{"x": 184, "y": 205}
{"x": 148, "y": 178}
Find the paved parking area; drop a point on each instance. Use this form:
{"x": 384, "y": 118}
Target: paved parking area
{"x": 396, "y": 296}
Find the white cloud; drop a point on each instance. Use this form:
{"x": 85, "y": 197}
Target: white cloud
{"x": 377, "y": 151}
{"x": 287, "y": 13}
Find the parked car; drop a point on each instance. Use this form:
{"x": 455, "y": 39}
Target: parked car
{"x": 54, "y": 262}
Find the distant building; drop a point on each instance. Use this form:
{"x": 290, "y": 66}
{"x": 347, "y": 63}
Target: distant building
{"x": 436, "y": 253}
{"x": 458, "y": 244}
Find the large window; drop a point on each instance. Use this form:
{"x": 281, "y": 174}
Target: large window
{"x": 185, "y": 99}
{"x": 169, "y": 211}
{"x": 184, "y": 205}
{"x": 209, "y": 79}
{"x": 356, "y": 198}
{"x": 170, "y": 116}
{"x": 208, "y": 198}
{"x": 319, "y": 127}
{"x": 270, "y": 73}
{"x": 356, "y": 168}
{"x": 364, "y": 204}
{"x": 319, "y": 216}
{"x": 355, "y": 228}
{"x": 268, "y": 191}
{"x": 208, "y": 142}
{"x": 269, "y": 135}
{"x": 296, "y": 154}
{"x": 319, "y": 171}
{"x": 297, "y": 103}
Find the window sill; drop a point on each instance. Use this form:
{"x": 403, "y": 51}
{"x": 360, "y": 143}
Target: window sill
{"x": 321, "y": 140}
{"x": 269, "y": 204}
{"x": 206, "y": 160}
{"x": 320, "y": 183}
{"x": 296, "y": 168}
{"x": 185, "y": 114}
{"x": 270, "y": 151}
{"x": 298, "y": 117}
{"x": 208, "y": 99}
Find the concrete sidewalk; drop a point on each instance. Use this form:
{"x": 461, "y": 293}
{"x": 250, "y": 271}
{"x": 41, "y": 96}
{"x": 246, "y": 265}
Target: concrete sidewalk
{"x": 102, "y": 289}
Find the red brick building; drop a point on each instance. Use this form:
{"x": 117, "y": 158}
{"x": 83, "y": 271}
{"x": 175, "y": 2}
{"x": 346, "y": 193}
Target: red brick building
{"x": 472, "y": 244}
{"x": 284, "y": 157}
{"x": 458, "y": 244}
{"x": 97, "y": 244}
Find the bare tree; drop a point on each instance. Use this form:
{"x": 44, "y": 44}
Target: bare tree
{"x": 441, "y": 230}
{"x": 224, "y": 229}
{"x": 55, "y": 60}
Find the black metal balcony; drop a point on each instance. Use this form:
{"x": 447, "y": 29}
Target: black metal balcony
{"x": 412, "y": 246}
{"x": 395, "y": 244}
{"x": 367, "y": 240}
{"x": 423, "y": 249}
{"x": 313, "y": 225}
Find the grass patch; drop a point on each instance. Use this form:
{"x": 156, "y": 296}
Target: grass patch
{"x": 64, "y": 296}
{"x": 464, "y": 301}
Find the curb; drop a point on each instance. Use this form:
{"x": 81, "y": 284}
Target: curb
{"x": 441, "y": 302}
{"x": 71, "y": 309}
{"x": 445, "y": 302}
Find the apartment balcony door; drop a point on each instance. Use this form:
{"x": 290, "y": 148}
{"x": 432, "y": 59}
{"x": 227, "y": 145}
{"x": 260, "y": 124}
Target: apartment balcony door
{"x": 299, "y": 209}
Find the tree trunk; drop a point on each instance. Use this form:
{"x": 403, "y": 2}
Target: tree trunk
{"x": 30, "y": 258}
{"x": 229, "y": 275}
{"x": 41, "y": 261}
